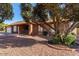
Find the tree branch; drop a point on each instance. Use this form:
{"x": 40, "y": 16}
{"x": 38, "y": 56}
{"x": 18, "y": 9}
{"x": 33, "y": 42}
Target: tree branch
{"x": 49, "y": 26}
{"x": 42, "y": 26}
{"x": 74, "y": 25}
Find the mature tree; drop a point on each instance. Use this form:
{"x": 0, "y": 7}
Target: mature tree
{"x": 29, "y": 13}
{"x": 2, "y": 26}
{"x": 26, "y": 11}
{"x": 60, "y": 14}
{"x": 6, "y": 12}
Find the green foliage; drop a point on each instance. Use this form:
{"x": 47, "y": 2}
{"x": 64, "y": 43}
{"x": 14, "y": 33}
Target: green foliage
{"x": 2, "y": 26}
{"x": 26, "y": 11}
{"x": 70, "y": 39}
{"x": 69, "y": 12}
{"x": 55, "y": 40}
{"x": 6, "y": 12}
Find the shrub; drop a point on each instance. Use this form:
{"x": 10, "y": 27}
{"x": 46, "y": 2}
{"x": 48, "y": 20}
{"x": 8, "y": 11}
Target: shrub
{"x": 55, "y": 40}
{"x": 70, "y": 39}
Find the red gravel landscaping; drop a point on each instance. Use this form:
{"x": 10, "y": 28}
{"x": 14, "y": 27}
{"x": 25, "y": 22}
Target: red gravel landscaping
{"x": 16, "y": 45}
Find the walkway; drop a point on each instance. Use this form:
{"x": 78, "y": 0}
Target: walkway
{"x": 30, "y": 45}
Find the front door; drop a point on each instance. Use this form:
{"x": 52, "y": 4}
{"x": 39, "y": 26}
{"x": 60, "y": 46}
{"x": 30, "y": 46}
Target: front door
{"x": 25, "y": 29}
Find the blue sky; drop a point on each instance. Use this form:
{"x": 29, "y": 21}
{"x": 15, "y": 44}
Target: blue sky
{"x": 17, "y": 14}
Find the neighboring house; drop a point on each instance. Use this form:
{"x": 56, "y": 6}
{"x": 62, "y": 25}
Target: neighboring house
{"x": 22, "y": 27}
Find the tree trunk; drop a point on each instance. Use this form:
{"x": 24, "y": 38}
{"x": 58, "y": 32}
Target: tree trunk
{"x": 74, "y": 25}
{"x": 43, "y": 26}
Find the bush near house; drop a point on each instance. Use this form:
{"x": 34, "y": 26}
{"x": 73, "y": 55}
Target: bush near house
{"x": 55, "y": 40}
{"x": 70, "y": 39}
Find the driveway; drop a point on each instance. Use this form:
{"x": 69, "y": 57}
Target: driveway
{"x": 24, "y": 45}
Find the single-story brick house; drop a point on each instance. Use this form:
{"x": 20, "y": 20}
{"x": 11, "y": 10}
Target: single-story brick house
{"x": 22, "y": 27}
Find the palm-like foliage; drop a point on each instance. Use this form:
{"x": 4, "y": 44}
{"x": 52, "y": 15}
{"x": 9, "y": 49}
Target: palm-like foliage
{"x": 6, "y": 11}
